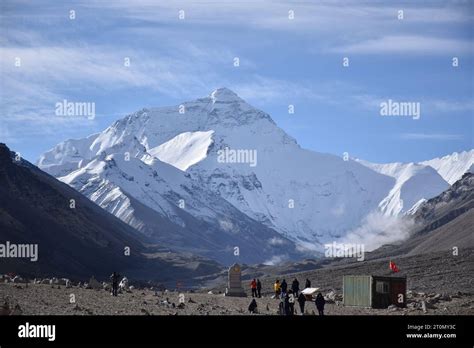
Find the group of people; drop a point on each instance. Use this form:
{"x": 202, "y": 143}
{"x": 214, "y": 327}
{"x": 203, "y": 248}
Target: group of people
{"x": 256, "y": 288}
{"x": 281, "y": 288}
{"x": 287, "y": 297}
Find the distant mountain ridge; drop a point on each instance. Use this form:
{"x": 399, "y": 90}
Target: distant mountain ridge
{"x": 452, "y": 167}
{"x": 424, "y": 179}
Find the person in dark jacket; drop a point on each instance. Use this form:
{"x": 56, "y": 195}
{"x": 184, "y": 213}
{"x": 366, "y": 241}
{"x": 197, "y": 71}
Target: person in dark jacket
{"x": 281, "y": 307}
{"x": 295, "y": 287}
{"x": 287, "y": 305}
{"x": 284, "y": 287}
{"x": 115, "y": 281}
{"x": 291, "y": 300}
{"x": 259, "y": 288}
{"x": 320, "y": 301}
{"x": 308, "y": 283}
{"x": 301, "y": 301}
{"x": 253, "y": 306}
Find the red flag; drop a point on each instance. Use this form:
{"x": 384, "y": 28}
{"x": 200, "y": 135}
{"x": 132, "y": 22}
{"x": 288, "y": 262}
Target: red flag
{"x": 393, "y": 267}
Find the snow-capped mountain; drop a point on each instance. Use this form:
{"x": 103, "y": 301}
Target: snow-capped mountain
{"x": 414, "y": 183}
{"x": 452, "y": 167}
{"x": 219, "y": 161}
{"x": 163, "y": 202}
{"x": 418, "y": 182}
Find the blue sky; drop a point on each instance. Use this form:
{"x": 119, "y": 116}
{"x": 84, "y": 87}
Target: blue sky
{"x": 282, "y": 61}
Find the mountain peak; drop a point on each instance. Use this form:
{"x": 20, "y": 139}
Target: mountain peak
{"x": 224, "y": 94}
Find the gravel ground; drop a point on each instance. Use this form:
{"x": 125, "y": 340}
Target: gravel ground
{"x": 442, "y": 281}
{"x": 39, "y": 299}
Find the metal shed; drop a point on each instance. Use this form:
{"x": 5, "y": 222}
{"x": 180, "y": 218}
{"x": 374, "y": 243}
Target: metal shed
{"x": 374, "y": 291}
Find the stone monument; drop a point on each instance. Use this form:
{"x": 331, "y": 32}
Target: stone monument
{"x": 234, "y": 286}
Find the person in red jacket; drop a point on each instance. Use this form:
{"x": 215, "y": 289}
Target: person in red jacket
{"x": 253, "y": 286}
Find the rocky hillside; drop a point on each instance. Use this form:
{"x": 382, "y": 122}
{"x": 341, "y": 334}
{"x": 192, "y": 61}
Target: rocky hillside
{"x": 441, "y": 223}
{"x": 80, "y": 241}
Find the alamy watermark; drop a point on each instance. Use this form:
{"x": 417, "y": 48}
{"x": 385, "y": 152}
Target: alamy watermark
{"x": 228, "y": 155}
{"x": 19, "y": 250}
{"x": 394, "y": 108}
{"x": 75, "y": 109}
{"x": 37, "y": 331}
{"x": 340, "y": 250}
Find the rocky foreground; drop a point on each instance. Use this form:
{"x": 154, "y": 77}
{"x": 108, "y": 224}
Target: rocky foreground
{"x": 43, "y": 299}
{"x": 438, "y": 283}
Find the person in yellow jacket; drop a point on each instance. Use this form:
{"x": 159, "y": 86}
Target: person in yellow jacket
{"x": 277, "y": 288}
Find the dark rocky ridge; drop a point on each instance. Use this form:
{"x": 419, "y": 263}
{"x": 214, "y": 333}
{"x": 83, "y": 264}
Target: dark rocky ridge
{"x": 81, "y": 242}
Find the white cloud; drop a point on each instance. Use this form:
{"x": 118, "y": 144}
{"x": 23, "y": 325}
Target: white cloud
{"x": 378, "y": 229}
{"x": 276, "y": 260}
{"x": 451, "y": 106}
{"x": 6, "y": 136}
{"x": 178, "y": 59}
{"x": 263, "y": 89}
{"x": 321, "y": 16}
{"x": 100, "y": 66}
{"x": 276, "y": 241}
{"x": 414, "y": 44}
{"x": 49, "y": 74}
{"x": 431, "y": 136}
{"x": 309, "y": 248}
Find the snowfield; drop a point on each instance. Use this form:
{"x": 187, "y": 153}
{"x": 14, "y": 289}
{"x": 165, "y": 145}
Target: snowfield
{"x": 184, "y": 150}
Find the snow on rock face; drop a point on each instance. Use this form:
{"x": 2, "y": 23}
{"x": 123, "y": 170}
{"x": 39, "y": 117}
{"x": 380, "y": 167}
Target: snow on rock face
{"x": 416, "y": 206}
{"x": 452, "y": 167}
{"x": 414, "y": 182}
{"x": 184, "y": 150}
{"x": 224, "y": 95}
{"x": 124, "y": 186}
{"x": 104, "y": 181}
{"x": 67, "y": 156}
{"x": 471, "y": 169}
{"x": 308, "y": 197}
